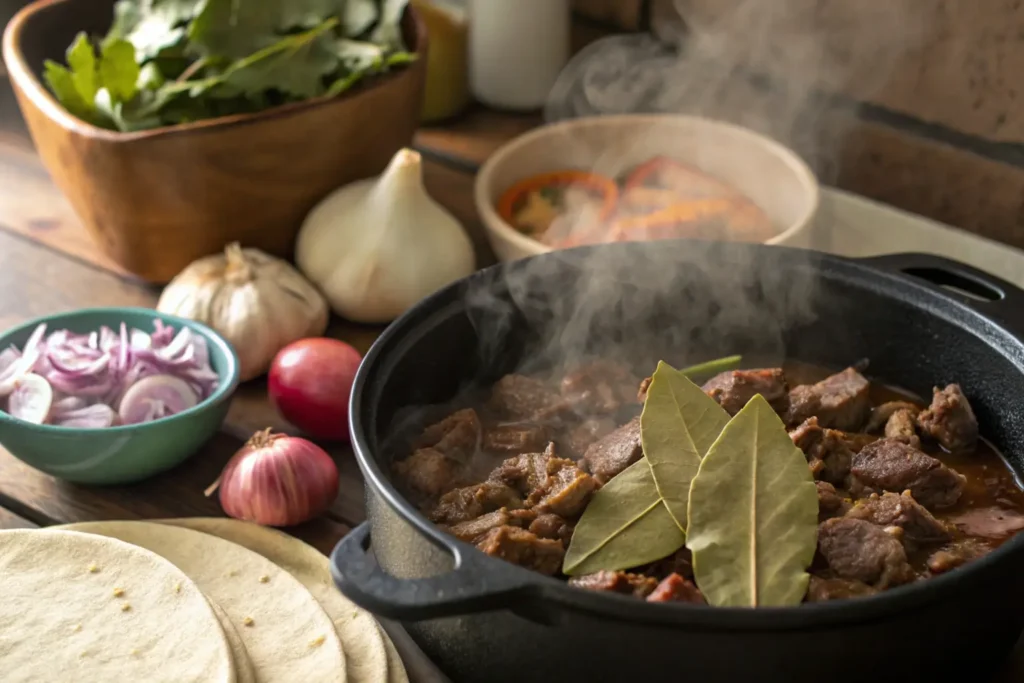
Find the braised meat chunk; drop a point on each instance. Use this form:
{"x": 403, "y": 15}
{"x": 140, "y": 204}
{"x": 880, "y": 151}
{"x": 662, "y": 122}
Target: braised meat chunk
{"x": 827, "y": 451}
{"x": 840, "y": 401}
{"x": 734, "y": 388}
{"x": 830, "y": 503}
{"x": 599, "y": 388}
{"x": 675, "y": 588}
{"x": 820, "y": 590}
{"x": 615, "y": 452}
{"x": 521, "y": 547}
{"x": 881, "y": 414}
{"x": 473, "y": 529}
{"x": 470, "y": 502}
{"x": 891, "y": 465}
{"x": 522, "y": 398}
{"x": 549, "y": 483}
{"x": 950, "y": 419}
{"x": 901, "y": 510}
{"x": 956, "y": 554}
{"x": 616, "y": 582}
{"x": 456, "y": 436}
{"x": 526, "y": 472}
{"x": 586, "y": 433}
{"x": 858, "y": 550}
{"x": 428, "y": 471}
{"x": 901, "y": 426}
{"x": 515, "y": 438}
{"x": 548, "y": 525}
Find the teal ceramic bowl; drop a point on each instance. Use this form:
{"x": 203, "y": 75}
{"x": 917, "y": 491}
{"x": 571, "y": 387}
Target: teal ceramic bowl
{"x": 120, "y": 455}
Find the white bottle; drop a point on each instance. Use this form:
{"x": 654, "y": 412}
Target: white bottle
{"x": 516, "y": 50}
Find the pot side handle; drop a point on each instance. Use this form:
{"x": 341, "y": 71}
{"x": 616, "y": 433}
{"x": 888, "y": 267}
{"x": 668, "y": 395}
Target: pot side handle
{"x": 469, "y": 587}
{"x": 966, "y": 283}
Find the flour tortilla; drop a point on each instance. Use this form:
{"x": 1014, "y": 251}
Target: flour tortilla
{"x": 365, "y": 650}
{"x": 244, "y": 671}
{"x": 60, "y": 619}
{"x": 288, "y": 636}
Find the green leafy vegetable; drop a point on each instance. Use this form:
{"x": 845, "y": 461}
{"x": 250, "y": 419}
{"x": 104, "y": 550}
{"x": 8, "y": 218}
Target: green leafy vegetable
{"x": 712, "y": 367}
{"x": 753, "y": 514}
{"x": 624, "y": 525}
{"x": 678, "y": 425}
{"x": 171, "y": 61}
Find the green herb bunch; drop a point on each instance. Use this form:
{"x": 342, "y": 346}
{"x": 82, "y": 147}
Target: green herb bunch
{"x": 166, "y": 62}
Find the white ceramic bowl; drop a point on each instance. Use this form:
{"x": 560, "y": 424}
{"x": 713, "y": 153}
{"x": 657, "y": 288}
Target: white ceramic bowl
{"x": 771, "y": 175}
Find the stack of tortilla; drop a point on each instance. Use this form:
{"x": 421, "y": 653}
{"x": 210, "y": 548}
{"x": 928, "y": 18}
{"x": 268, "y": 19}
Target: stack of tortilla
{"x": 182, "y": 600}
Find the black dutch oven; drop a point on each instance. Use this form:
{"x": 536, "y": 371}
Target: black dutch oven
{"x": 921, "y": 320}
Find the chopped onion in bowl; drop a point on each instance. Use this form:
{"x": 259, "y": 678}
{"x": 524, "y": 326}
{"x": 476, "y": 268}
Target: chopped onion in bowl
{"x": 106, "y": 377}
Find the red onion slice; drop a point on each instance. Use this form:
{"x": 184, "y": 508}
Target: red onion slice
{"x": 96, "y": 416}
{"x": 7, "y": 358}
{"x": 31, "y": 399}
{"x": 68, "y": 404}
{"x": 139, "y": 401}
{"x": 141, "y": 340}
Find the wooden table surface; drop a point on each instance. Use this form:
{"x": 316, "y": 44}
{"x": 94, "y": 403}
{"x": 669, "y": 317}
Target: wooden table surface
{"x": 48, "y": 263}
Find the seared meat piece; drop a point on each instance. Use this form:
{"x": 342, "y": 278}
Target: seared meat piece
{"x": 956, "y": 554}
{"x": 881, "y": 414}
{"x": 521, "y": 547}
{"x": 992, "y": 522}
{"x": 892, "y": 509}
{"x": 827, "y": 451}
{"x": 680, "y": 562}
{"x": 891, "y": 465}
{"x": 552, "y": 484}
{"x": 522, "y": 398}
{"x": 840, "y": 401}
{"x": 599, "y": 388}
{"x": 470, "y": 502}
{"x": 859, "y": 550}
{"x": 732, "y": 389}
{"x": 456, "y": 435}
{"x": 902, "y": 428}
{"x": 586, "y": 433}
{"x": 641, "y": 392}
{"x": 565, "y": 492}
{"x": 428, "y": 471}
{"x": 637, "y": 585}
{"x": 548, "y": 525}
{"x": 821, "y": 589}
{"x": 675, "y": 588}
{"x": 515, "y": 438}
{"x": 830, "y": 503}
{"x": 526, "y": 472}
{"x": 615, "y": 452}
{"x": 950, "y": 419}
{"x": 473, "y": 529}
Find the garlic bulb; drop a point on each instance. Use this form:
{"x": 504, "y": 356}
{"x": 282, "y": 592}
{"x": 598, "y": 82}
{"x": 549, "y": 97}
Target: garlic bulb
{"x": 257, "y": 302}
{"x": 375, "y": 247}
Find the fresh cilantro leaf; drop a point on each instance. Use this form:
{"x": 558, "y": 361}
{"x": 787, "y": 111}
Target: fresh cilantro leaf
{"x": 309, "y": 13}
{"x": 82, "y": 63}
{"x": 234, "y": 29}
{"x": 118, "y": 71}
{"x": 152, "y": 26}
{"x": 150, "y": 77}
{"x": 358, "y": 55}
{"x": 295, "y": 65}
{"x": 62, "y": 84}
{"x": 388, "y": 31}
{"x": 358, "y": 16}
{"x": 345, "y": 83}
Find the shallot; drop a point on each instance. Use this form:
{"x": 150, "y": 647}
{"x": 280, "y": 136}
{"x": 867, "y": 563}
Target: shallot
{"x": 277, "y": 480}
{"x": 105, "y": 377}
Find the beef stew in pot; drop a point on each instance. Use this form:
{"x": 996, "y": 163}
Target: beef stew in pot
{"x": 905, "y": 489}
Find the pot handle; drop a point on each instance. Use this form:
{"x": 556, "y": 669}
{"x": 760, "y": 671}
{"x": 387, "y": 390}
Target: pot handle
{"x": 966, "y": 283}
{"x": 469, "y": 587}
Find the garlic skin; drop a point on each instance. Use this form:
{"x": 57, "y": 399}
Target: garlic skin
{"x": 377, "y": 246}
{"x": 257, "y": 302}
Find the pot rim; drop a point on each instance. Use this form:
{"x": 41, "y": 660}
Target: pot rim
{"x": 704, "y": 617}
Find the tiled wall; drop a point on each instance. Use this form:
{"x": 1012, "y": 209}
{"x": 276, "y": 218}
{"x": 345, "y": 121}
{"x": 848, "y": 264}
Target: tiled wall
{"x": 918, "y": 103}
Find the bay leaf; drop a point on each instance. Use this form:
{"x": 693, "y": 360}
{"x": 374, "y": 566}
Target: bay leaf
{"x": 753, "y": 514}
{"x": 625, "y": 525}
{"x": 677, "y": 427}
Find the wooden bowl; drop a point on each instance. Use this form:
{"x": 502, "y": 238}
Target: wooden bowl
{"x": 156, "y": 200}
{"x": 771, "y": 175}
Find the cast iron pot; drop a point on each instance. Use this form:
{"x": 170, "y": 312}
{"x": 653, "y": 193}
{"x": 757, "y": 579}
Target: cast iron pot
{"x": 482, "y": 619}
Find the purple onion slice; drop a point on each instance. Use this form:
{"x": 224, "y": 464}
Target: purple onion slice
{"x": 96, "y": 416}
{"x": 156, "y": 396}
{"x": 31, "y": 399}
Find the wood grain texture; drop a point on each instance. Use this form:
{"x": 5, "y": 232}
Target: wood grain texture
{"x": 155, "y": 201}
